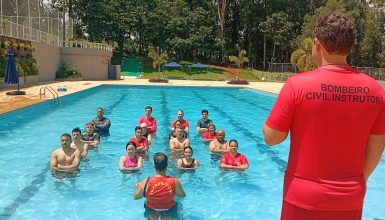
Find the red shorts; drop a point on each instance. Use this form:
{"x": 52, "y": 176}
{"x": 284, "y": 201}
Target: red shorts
{"x": 292, "y": 212}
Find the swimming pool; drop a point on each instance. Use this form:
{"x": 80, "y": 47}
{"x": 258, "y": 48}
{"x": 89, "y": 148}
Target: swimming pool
{"x": 101, "y": 191}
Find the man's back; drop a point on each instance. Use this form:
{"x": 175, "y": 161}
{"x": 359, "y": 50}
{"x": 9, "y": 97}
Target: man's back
{"x": 330, "y": 113}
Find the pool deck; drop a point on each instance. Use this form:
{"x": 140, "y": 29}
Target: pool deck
{"x": 9, "y": 103}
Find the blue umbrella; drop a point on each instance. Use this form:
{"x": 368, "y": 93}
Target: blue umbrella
{"x": 11, "y": 76}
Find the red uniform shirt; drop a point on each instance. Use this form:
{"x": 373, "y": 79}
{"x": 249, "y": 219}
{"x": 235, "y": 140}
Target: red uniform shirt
{"x": 151, "y": 124}
{"x": 238, "y": 160}
{"x": 184, "y": 124}
{"x": 160, "y": 192}
{"x": 330, "y": 113}
{"x": 207, "y": 135}
{"x": 142, "y": 143}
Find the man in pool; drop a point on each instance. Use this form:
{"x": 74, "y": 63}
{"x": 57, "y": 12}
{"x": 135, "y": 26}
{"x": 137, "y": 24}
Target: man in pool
{"x": 101, "y": 123}
{"x": 219, "y": 145}
{"x": 91, "y": 137}
{"x": 77, "y": 142}
{"x": 65, "y": 158}
{"x": 140, "y": 142}
{"x": 160, "y": 191}
{"x": 150, "y": 122}
{"x": 178, "y": 143}
{"x": 336, "y": 119}
{"x": 203, "y": 124}
{"x": 185, "y": 124}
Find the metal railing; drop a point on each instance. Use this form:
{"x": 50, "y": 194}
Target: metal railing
{"x": 15, "y": 30}
{"x": 50, "y": 90}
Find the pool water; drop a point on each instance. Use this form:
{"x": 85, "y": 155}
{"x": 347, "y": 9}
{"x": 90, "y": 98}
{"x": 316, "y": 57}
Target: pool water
{"x": 101, "y": 191}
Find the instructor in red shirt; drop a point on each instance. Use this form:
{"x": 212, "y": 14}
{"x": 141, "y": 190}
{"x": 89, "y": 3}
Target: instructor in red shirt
{"x": 336, "y": 120}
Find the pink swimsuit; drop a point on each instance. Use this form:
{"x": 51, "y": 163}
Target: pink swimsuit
{"x": 128, "y": 162}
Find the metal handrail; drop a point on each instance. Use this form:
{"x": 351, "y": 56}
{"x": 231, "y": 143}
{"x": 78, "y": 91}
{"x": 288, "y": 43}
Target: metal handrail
{"x": 51, "y": 90}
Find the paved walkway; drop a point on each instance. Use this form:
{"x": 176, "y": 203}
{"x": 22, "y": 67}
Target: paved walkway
{"x": 9, "y": 103}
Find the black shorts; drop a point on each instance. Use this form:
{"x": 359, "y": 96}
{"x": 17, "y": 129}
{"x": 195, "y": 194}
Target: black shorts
{"x": 170, "y": 213}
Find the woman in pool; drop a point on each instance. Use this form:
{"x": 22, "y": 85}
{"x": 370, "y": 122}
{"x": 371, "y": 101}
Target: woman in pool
{"x": 233, "y": 159}
{"x": 187, "y": 162}
{"x": 131, "y": 161}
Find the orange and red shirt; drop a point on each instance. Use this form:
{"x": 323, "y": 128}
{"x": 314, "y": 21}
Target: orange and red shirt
{"x": 160, "y": 192}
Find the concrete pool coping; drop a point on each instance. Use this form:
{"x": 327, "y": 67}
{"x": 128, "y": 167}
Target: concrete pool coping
{"x": 9, "y": 103}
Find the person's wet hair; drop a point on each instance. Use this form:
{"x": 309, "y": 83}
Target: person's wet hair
{"x": 138, "y": 128}
{"x": 233, "y": 140}
{"x": 188, "y": 147}
{"x": 90, "y": 123}
{"x": 160, "y": 161}
{"x": 76, "y": 130}
{"x": 130, "y": 143}
{"x": 176, "y": 121}
{"x": 100, "y": 108}
{"x": 66, "y": 135}
{"x": 205, "y": 111}
{"x": 148, "y": 107}
{"x": 211, "y": 125}
{"x": 336, "y": 32}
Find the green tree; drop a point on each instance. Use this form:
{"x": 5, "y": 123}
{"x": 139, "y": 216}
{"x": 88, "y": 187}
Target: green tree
{"x": 239, "y": 61}
{"x": 278, "y": 28}
{"x": 302, "y": 57}
{"x": 158, "y": 59}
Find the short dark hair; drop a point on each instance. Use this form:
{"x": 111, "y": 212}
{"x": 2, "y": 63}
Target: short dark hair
{"x": 66, "y": 135}
{"x": 336, "y": 32}
{"x": 160, "y": 161}
{"x": 180, "y": 110}
{"x": 130, "y": 143}
{"x": 233, "y": 140}
{"x": 148, "y": 107}
{"x": 211, "y": 124}
{"x": 77, "y": 129}
{"x": 90, "y": 123}
{"x": 138, "y": 128}
{"x": 188, "y": 147}
{"x": 205, "y": 111}
{"x": 100, "y": 109}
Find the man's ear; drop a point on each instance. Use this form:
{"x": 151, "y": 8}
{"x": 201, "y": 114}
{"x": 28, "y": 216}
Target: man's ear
{"x": 317, "y": 44}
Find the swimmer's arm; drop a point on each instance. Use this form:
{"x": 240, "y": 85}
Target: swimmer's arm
{"x": 179, "y": 164}
{"x": 179, "y": 190}
{"x": 196, "y": 163}
{"x": 186, "y": 129}
{"x": 374, "y": 150}
{"x": 85, "y": 150}
{"x": 75, "y": 162}
{"x": 139, "y": 189}
{"x": 212, "y": 146}
{"x": 53, "y": 162}
{"x": 140, "y": 163}
{"x": 273, "y": 136}
{"x": 172, "y": 145}
{"x": 121, "y": 163}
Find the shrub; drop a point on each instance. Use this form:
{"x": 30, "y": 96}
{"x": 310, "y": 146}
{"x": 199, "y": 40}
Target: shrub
{"x": 68, "y": 71}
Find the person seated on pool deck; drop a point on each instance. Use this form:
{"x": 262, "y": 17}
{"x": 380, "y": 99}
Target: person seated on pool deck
{"x": 219, "y": 145}
{"x": 150, "y": 122}
{"x": 66, "y": 157}
{"x": 178, "y": 143}
{"x": 203, "y": 124}
{"x": 209, "y": 135}
{"x": 187, "y": 162}
{"x": 160, "y": 191}
{"x": 131, "y": 161}
{"x": 185, "y": 124}
{"x": 233, "y": 159}
{"x": 78, "y": 143}
{"x": 101, "y": 123}
{"x": 140, "y": 142}
{"x": 178, "y": 124}
{"x": 91, "y": 137}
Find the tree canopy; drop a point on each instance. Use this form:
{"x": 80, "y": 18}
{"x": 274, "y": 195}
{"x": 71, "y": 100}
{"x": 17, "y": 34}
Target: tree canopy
{"x": 208, "y": 31}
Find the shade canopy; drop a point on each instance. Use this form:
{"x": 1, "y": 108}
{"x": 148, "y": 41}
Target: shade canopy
{"x": 198, "y": 65}
{"x": 172, "y": 64}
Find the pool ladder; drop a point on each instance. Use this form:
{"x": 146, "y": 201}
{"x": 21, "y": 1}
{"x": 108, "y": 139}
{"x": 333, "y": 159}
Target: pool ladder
{"x": 50, "y": 90}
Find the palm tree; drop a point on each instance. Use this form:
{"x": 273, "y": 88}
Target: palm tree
{"x": 239, "y": 61}
{"x": 302, "y": 57}
{"x": 158, "y": 58}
